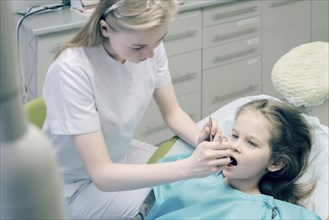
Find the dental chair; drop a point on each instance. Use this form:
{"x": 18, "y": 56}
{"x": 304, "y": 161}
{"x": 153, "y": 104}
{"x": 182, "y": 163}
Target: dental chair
{"x": 301, "y": 76}
{"x": 36, "y": 111}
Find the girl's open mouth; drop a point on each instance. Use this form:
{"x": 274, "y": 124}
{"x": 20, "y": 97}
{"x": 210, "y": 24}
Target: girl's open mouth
{"x": 233, "y": 161}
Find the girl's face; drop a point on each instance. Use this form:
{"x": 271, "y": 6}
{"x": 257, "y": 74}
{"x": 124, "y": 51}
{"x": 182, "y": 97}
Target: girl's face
{"x": 134, "y": 46}
{"x": 250, "y": 149}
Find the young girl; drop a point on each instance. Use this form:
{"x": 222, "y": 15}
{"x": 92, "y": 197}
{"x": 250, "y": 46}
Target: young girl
{"x": 270, "y": 146}
{"x": 96, "y": 92}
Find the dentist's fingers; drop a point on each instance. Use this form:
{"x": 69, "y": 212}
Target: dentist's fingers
{"x": 220, "y": 163}
{"x": 220, "y": 155}
{"x": 220, "y": 136}
{"x": 205, "y": 132}
{"x": 214, "y": 126}
{"x": 208, "y": 158}
{"x": 216, "y": 144}
{"x": 212, "y": 151}
{"x": 218, "y": 151}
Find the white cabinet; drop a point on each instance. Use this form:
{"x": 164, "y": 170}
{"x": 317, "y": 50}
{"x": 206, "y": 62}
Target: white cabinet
{"x": 230, "y": 56}
{"x": 184, "y": 33}
{"x": 218, "y": 51}
{"x": 286, "y": 24}
{"x": 186, "y": 72}
{"x": 183, "y": 47}
{"x": 41, "y": 37}
{"x": 231, "y": 52}
{"x": 229, "y": 82}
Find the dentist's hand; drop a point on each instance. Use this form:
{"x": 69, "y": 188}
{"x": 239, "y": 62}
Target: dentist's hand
{"x": 208, "y": 158}
{"x": 205, "y": 132}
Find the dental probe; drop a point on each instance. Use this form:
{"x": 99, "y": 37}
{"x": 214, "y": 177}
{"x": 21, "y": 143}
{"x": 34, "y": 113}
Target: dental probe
{"x": 210, "y": 125}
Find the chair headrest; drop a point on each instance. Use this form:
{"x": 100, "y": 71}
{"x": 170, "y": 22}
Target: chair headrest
{"x": 301, "y": 75}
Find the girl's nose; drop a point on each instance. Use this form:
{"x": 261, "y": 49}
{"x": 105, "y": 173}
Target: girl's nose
{"x": 235, "y": 148}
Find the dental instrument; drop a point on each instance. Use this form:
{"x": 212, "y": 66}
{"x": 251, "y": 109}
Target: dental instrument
{"x": 210, "y": 125}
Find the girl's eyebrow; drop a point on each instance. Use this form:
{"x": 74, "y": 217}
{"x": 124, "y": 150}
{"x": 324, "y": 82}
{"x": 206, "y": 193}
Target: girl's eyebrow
{"x": 142, "y": 45}
{"x": 249, "y": 136}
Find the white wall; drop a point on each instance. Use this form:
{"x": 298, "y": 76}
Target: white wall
{"x": 320, "y": 20}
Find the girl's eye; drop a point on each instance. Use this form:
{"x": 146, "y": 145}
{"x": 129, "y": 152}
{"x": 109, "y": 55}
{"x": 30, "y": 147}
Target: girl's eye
{"x": 234, "y": 136}
{"x": 251, "y": 143}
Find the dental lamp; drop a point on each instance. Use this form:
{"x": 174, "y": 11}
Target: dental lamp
{"x": 30, "y": 185}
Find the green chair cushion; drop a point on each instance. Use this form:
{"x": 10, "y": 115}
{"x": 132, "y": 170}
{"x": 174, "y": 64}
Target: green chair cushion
{"x": 163, "y": 149}
{"x": 36, "y": 111}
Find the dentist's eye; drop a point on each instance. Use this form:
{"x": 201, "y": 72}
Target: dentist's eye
{"x": 137, "y": 48}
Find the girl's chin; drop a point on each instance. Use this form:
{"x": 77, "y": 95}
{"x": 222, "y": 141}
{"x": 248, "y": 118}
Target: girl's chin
{"x": 228, "y": 170}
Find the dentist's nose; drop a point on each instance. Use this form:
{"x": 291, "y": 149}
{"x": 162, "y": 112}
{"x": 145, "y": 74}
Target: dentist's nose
{"x": 148, "y": 53}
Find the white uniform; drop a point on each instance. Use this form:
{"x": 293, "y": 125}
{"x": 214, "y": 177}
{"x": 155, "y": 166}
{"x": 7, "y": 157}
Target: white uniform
{"x": 86, "y": 90}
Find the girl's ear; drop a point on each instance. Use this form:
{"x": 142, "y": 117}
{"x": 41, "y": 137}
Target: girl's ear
{"x": 275, "y": 166}
{"x": 105, "y": 30}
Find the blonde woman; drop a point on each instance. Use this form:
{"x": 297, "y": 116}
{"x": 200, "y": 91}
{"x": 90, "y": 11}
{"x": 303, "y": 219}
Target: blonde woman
{"x": 96, "y": 92}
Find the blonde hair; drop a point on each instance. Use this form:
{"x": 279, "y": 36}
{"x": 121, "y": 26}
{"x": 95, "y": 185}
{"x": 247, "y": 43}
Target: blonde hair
{"x": 123, "y": 16}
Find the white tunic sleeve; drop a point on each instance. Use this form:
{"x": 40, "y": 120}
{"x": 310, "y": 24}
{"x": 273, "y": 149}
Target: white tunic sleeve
{"x": 163, "y": 77}
{"x": 69, "y": 98}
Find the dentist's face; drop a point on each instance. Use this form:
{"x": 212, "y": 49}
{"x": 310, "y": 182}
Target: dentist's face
{"x": 134, "y": 46}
